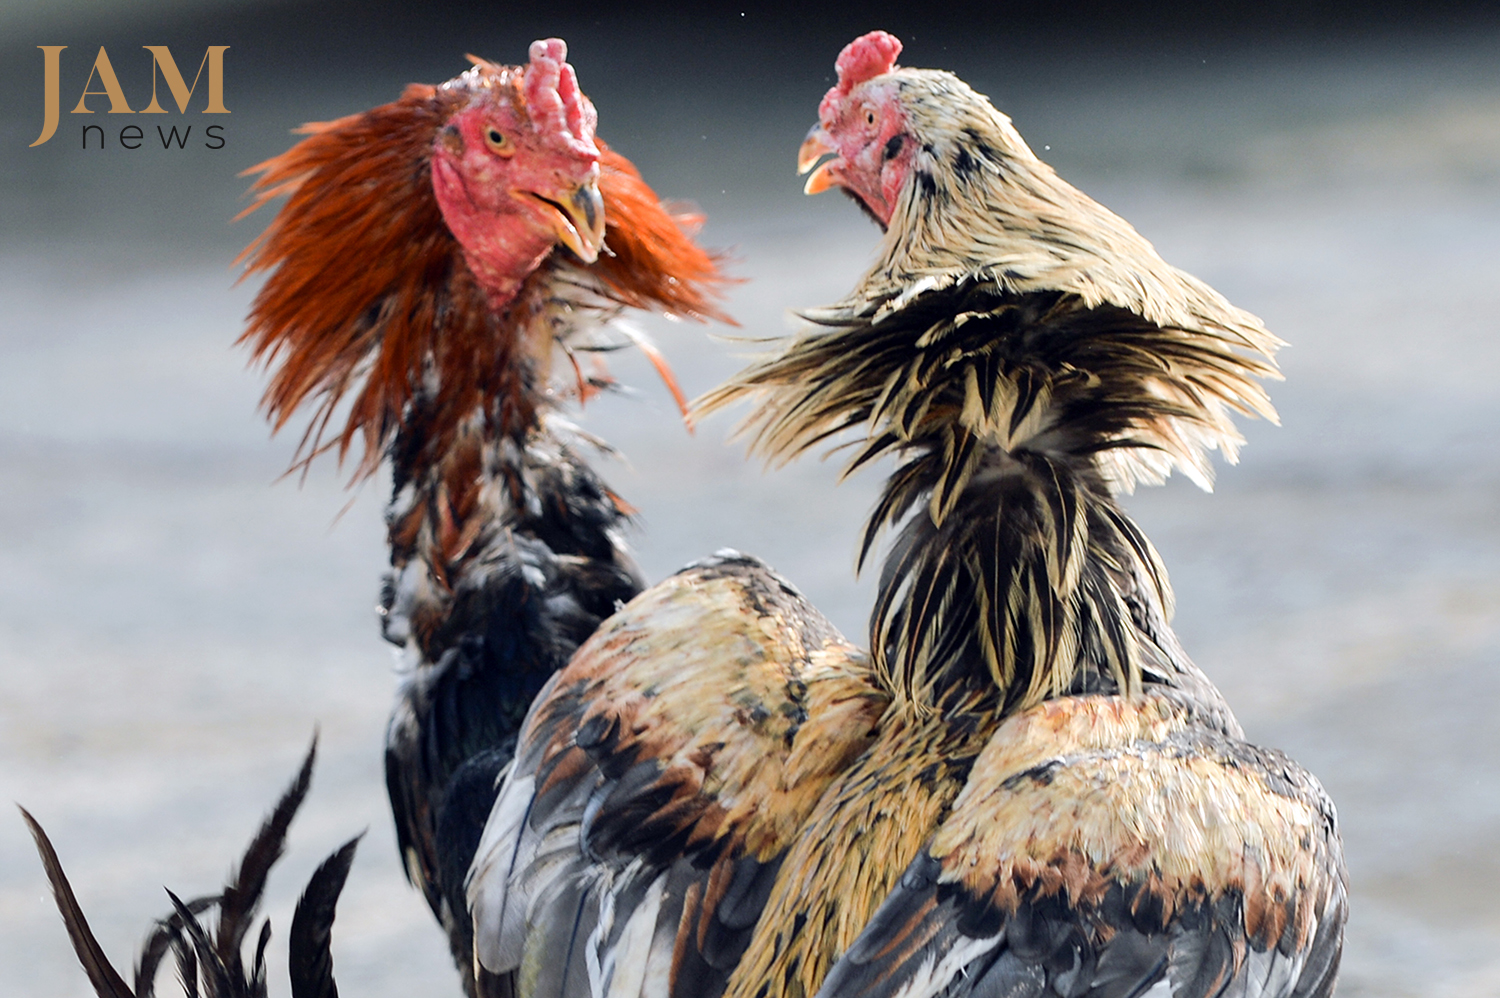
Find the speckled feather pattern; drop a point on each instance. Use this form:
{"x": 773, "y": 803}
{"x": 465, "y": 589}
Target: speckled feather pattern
{"x": 706, "y": 718}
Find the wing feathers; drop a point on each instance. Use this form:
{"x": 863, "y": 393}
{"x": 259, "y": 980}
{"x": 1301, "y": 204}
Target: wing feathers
{"x": 1010, "y": 977}
{"x": 725, "y": 790}
{"x": 658, "y": 782}
{"x": 1119, "y": 843}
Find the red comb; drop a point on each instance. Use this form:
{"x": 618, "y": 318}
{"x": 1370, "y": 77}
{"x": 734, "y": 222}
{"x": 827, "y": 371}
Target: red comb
{"x": 553, "y": 99}
{"x": 867, "y": 57}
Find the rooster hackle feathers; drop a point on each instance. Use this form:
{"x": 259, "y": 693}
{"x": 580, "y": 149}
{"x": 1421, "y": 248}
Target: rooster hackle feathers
{"x": 1011, "y": 328}
{"x": 369, "y": 292}
{"x": 1026, "y": 788}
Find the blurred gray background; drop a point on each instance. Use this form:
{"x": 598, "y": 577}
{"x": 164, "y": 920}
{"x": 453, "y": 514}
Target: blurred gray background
{"x": 175, "y": 620}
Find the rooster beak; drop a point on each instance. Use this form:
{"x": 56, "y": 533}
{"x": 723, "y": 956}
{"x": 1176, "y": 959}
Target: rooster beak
{"x": 815, "y": 147}
{"x": 578, "y": 220}
{"x": 821, "y": 179}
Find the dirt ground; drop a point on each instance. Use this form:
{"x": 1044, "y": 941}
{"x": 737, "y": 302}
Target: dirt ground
{"x": 175, "y": 621}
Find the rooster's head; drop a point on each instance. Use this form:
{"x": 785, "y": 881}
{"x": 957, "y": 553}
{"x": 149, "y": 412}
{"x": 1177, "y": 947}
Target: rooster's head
{"x": 419, "y": 242}
{"x": 901, "y": 137}
{"x": 516, "y": 169}
{"x": 861, "y": 121}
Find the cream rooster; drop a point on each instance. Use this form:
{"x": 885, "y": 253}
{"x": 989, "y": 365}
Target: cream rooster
{"x": 1026, "y": 788}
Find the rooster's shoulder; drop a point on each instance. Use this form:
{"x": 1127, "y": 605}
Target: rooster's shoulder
{"x": 660, "y": 780}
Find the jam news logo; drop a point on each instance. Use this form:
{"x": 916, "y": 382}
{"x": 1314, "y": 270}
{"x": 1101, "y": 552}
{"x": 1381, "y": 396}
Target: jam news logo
{"x": 163, "y": 68}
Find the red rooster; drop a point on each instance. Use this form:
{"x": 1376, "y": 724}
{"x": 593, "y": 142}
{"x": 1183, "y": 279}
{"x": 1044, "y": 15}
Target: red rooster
{"x": 433, "y": 257}
{"x": 1026, "y": 788}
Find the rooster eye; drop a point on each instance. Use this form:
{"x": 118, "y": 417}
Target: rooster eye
{"x": 869, "y": 116}
{"x": 495, "y": 139}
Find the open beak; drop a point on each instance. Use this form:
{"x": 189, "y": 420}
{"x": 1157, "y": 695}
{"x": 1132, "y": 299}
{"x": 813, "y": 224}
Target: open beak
{"x": 814, "y": 148}
{"x": 577, "y": 218}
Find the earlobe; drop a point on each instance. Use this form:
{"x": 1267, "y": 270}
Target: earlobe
{"x": 451, "y": 139}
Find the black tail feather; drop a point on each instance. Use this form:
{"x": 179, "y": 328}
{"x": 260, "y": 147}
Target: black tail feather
{"x": 211, "y": 970}
{"x": 242, "y": 896}
{"x": 212, "y": 964}
{"x": 187, "y": 965}
{"x": 167, "y": 935}
{"x": 106, "y": 980}
{"x": 310, "y": 958}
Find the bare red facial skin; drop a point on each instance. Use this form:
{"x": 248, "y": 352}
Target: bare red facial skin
{"x": 513, "y": 173}
{"x": 861, "y": 120}
{"x": 868, "y": 131}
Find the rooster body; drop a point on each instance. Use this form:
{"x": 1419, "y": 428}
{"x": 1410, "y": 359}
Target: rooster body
{"x": 434, "y": 258}
{"x": 1026, "y": 788}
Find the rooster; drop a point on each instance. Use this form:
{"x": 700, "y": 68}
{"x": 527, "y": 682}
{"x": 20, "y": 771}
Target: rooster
{"x": 1025, "y": 787}
{"x": 211, "y": 962}
{"x": 434, "y": 258}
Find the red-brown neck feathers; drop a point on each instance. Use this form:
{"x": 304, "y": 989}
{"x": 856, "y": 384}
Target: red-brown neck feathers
{"x": 365, "y": 278}
{"x": 368, "y": 293}
{"x": 651, "y": 260}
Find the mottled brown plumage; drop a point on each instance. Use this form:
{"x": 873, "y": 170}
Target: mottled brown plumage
{"x": 1045, "y": 795}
